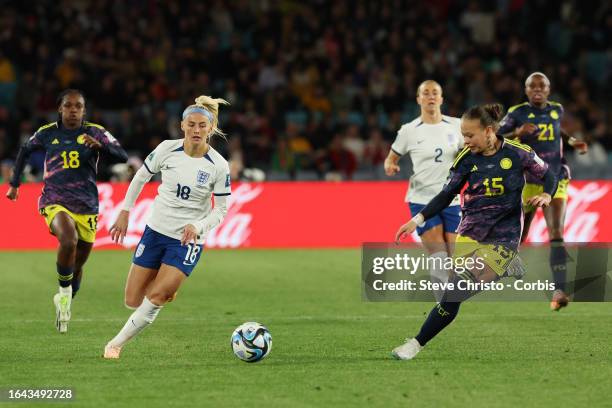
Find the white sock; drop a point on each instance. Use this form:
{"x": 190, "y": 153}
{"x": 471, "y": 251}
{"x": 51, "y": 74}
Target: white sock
{"x": 143, "y": 316}
{"x": 438, "y": 273}
{"x": 66, "y": 291}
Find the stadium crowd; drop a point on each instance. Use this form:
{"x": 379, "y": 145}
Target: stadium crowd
{"x": 318, "y": 88}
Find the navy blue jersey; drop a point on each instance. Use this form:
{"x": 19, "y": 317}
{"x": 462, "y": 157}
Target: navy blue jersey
{"x": 70, "y": 166}
{"x": 546, "y": 140}
{"x": 492, "y": 206}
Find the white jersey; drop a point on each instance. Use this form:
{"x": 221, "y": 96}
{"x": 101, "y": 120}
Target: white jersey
{"x": 432, "y": 149}
{"x": 184, "y": 195}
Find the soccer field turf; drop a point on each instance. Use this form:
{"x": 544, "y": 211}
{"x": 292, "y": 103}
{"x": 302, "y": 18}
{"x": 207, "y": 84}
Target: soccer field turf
{"x": 329, "y": 347}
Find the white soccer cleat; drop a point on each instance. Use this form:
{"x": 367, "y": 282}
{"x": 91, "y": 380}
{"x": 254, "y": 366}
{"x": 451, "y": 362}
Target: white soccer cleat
{"x": 112, "y": 352}
{"x": 408, "y": 350}
{"x": 62, "y": 311}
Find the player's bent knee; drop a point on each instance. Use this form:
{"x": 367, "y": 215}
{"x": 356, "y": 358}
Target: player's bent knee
{"x": 159, "y": 298}
{"x": 132, "y": 302}
{"x": 68, "y": 240}
{"x": 130, "y": 306}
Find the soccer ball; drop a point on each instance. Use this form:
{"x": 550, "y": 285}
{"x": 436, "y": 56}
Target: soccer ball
{"x": 251, "y": 342}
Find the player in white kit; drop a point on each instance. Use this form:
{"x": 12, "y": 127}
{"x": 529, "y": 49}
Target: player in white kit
{"x": 432, "y": 141}
{"x": 171, "y": 245}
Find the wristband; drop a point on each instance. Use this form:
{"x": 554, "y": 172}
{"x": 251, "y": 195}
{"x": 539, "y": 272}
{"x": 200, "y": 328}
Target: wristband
{"x": 419, "y": 220}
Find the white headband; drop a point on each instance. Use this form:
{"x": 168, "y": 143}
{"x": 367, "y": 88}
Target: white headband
{"x": 537, "y": 74}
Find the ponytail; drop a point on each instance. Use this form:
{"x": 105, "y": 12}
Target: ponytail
{"x": 488, "y": 115}
{"x": 211, "y": 105}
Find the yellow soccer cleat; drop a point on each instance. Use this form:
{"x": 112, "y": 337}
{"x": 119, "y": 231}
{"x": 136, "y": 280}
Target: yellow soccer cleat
{"x": 62, "y": 311}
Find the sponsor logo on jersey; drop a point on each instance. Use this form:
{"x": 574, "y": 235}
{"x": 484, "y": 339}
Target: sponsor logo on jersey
{"x": 227, "y": 180}
{"x": 505, "y": 163}
{"x": 150, "y": 157}
{"x": 139, "y": 250}
{"x": 202, "y": 178}
{"x": 554, "y": 114}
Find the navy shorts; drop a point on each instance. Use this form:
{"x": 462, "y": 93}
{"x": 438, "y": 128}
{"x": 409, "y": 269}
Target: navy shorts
{"x": 449, "y": 218}
{"x": 155, "y": 248}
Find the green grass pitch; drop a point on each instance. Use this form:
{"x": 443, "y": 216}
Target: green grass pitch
{"x": 329, "y": 347}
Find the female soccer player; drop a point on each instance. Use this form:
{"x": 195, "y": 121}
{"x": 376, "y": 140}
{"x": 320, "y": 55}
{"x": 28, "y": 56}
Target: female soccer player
{"x": 432, "y": 141}
{"x": 69, "y": 200}
{"x": 537, "y": 123}
{"x": 492, "y": 219}
{"x": 170, "y": 247}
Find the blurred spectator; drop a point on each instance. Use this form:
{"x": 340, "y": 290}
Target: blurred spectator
{"x": 354, "y": 143}
{"x": 296, "y": 74}
{"x": 342, "y": 161}
{"x": 376, "y": 149}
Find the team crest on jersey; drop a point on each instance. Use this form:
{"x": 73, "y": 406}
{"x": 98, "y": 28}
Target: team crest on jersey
{"x": 554, "y": 114}
{"x": 202, "y": 178}
{"x": 139, "y": 250}
{"x": 531, "y": 116}
{"x": 505, "y": 163}
{"x": 81, "y": 139}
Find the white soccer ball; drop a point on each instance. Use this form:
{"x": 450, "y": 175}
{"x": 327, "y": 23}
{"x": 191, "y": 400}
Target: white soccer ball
{"x": 251, "y": 342}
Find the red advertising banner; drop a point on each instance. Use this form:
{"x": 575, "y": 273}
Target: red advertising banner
{"x": 295, "y": 214}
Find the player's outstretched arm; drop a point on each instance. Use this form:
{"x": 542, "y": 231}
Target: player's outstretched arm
{"x": 456, "y": 181}
{"x": 408, "y": 228}
{"x": 540, "y": 200}
{"x": 190, "y": 234}
{"x": 119, "y": 229}
{"x": 22, "y": 157}
{"x": 537, "y": 168}
{"x": 580, "y": 145}
{"x": 106, "y": 144}
{"x": 391, "y": 163}
{"x": 215, "y": 217}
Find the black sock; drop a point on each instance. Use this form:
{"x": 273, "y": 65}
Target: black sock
{"x": 64, "y": 275}
{"x": 76, "y": 284}
{"x": 558, "y": 263}
{"x": 445, "y": 312}
{"x": 76, "y": 281}
{"x": 440, "y": 316}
